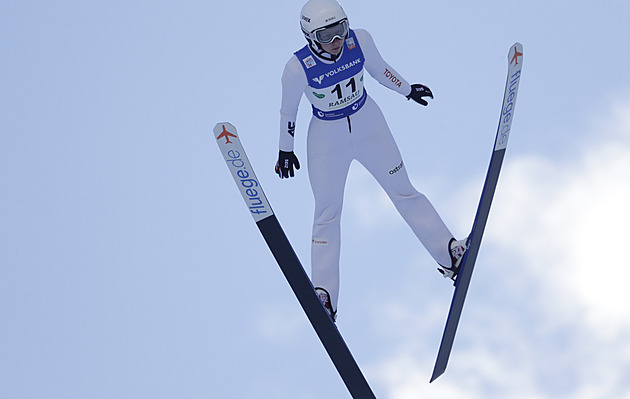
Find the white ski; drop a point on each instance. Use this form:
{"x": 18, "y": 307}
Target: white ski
{"x": 515, "y": 63}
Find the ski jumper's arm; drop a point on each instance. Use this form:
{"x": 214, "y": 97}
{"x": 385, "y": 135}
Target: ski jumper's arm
{"x": 293, "y": 85}
{"x": 378, "y": 68}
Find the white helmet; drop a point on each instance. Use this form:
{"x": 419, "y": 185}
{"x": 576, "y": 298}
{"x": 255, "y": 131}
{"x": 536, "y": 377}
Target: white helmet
{"x": 323, "y": 21}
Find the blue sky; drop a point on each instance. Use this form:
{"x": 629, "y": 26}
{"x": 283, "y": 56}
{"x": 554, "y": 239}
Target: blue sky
{"x": 129, "y": 267}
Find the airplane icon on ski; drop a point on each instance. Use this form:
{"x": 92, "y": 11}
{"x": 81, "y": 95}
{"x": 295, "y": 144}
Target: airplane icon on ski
{"x": 226, "y": 134}
{"x": 515, "y": 57}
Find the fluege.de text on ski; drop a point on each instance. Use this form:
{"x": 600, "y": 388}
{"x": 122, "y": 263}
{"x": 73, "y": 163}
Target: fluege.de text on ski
{"x": 507, "y": 110}
{"x": 253, "y": 197}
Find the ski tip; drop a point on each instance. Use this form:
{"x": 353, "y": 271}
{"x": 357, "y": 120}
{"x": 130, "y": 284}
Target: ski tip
{"x": 225, "y": 130}
{"x": 515, "y": 48}
{"x": 518, "y": 46}
{"x": 222, "y": 126}
{"x": 515, "y": 55}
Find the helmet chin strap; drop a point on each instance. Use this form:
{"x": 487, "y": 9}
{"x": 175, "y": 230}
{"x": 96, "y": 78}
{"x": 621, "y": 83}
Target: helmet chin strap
{"x": 319, "y": 50}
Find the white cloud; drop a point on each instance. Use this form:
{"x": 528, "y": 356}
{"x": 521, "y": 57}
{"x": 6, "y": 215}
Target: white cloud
{"x": 565, "y": 223}
{"x": 568, "y": 221}
{"x": 557, "y": 323}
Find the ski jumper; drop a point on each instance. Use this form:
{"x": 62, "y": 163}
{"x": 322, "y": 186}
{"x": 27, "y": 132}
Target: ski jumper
{"x": 348, "y": 125}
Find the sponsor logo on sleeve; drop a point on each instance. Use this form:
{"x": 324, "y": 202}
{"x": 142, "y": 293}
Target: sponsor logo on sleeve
{"x": 390, "y": 75}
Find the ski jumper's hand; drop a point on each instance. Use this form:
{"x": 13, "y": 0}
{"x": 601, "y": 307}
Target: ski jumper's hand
{"x": 285, "y": 164}
{"x": 417, "y": 92}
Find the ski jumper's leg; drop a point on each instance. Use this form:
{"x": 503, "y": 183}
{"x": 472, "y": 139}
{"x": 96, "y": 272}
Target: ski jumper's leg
{"x": 329, "y": 159}
{"x": 378, "y": 152}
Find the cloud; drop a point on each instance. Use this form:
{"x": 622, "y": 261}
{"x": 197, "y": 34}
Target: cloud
{"x": 568, "y": 221}
{"x": 548, "y": 315}
{"x": 564, "y": 222}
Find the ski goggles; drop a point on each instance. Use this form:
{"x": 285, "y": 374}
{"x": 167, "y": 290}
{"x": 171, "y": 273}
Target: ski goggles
{"x": 329, "y": 33}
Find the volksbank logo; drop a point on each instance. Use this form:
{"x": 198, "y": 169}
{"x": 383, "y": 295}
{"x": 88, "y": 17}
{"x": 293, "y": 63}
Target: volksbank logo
{"x": 333, "y": 72}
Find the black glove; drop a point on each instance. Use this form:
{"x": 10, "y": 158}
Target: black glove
{"x": 285, "y": 164}
{"x": 417, "y": 92}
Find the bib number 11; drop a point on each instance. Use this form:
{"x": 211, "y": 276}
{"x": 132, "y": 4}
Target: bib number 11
{"x": 337, "y": 88}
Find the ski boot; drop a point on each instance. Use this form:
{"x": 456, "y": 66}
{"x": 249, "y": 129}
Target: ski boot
{"x": 324, "y": 297}
{"x": 457, "y": 250}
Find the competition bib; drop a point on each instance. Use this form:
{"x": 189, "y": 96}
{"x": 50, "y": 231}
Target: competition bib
{"x": 335, "y": 90}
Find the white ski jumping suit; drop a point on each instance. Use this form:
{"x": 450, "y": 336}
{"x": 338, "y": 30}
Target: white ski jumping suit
{"x": 347, "y": 125}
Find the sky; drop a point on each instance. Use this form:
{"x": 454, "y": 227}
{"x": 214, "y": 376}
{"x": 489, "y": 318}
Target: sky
{"x": 130, "y": 268}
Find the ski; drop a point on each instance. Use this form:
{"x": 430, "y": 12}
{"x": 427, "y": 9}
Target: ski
{"x": 258, "y": 205}
{"x": 515, "y": 63}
